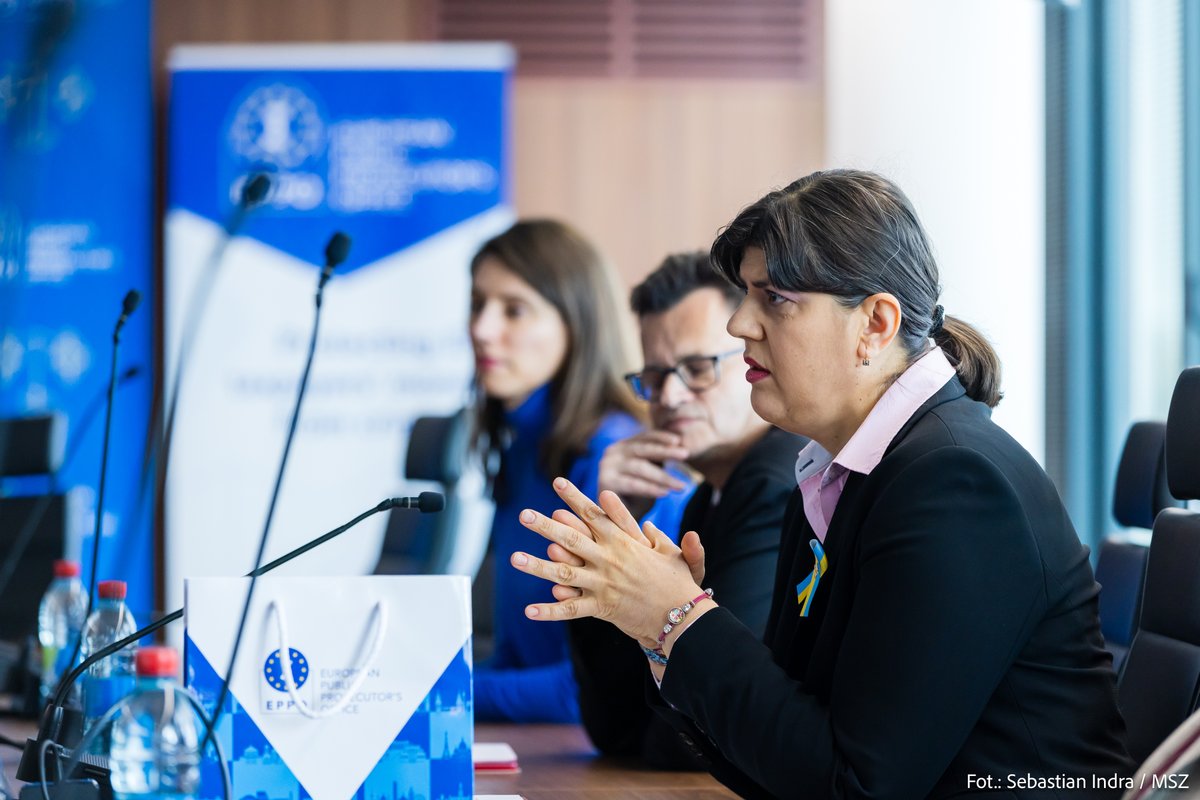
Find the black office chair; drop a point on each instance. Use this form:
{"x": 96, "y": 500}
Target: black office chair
{"x": 436, "y": 452}
{"x": 456, "y": 540}
{"x": 1139, "y": 493}
{"x": 1160, "y": 684}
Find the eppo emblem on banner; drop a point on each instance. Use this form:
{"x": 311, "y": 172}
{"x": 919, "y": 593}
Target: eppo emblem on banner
{"x": 344, "y": 687}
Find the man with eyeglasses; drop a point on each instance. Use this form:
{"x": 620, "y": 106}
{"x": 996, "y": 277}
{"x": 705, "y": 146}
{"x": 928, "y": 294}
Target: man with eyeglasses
{"x": 699, "y": 401}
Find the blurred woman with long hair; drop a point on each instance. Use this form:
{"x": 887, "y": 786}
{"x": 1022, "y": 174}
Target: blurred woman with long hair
{"x": 549, "y": 356}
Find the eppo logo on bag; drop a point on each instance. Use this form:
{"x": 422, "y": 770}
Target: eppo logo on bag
{"x": 274, "y": 697}
{"x": 286, "y": 688}
{"x": 370, "y": 673}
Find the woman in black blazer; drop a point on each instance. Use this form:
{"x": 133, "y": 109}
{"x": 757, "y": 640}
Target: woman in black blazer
{"x": 934, "y": 628}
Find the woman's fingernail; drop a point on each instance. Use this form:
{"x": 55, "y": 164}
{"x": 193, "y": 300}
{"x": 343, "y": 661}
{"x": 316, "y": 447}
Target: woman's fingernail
{"x": 560, "y": 483}
{"x": 531, "y": 611}
{"x": 527, "y": 516}
{"x": 520, "y": 559}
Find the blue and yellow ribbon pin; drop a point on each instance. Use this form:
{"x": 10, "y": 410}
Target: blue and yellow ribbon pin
{"x": 806, "y": 588}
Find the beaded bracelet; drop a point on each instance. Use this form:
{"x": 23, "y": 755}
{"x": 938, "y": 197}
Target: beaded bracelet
{"x": 676, "y": 615}
{"x": 657, "y": 656}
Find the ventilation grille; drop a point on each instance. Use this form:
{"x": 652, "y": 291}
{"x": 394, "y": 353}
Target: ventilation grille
{"x": 645, "y": 38}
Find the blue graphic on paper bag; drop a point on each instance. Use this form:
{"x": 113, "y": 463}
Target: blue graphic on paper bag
{"x": 273, "y": 670}
{"x": 390, "y": 156}
{"x": 430, "y": 758}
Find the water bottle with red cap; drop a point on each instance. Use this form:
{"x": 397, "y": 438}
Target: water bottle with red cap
{"x": 110, "y": 679}
{"x": 60, "y": 619}
{"x": 155, "y": 750}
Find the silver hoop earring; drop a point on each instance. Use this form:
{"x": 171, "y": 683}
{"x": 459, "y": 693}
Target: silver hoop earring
{"x": 866, "y": 362}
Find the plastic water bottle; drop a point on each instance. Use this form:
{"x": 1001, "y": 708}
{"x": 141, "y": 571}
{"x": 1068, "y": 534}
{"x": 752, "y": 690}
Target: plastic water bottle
{"x": 111, "y": 679}
{"x": 155, "y": 749}
{"x": 60, "y": 620}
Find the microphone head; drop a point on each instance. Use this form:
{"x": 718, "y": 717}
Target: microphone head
{"x": 431, "y": 502}
{"x": 255, "y": 189}
{"x": 132, "y": 298}
{"x": 337, "y": 250}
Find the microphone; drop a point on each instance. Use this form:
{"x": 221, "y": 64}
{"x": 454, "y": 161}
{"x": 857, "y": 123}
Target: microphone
{"x": 335, "y": 252}
{"x": 132, "y": 299}
{"x": 52, "y": 716}
{"x": 426, "y": 502}
{"x": 254, "y": 191}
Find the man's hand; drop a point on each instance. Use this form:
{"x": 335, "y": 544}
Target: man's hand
{"x": 632, "y": 468}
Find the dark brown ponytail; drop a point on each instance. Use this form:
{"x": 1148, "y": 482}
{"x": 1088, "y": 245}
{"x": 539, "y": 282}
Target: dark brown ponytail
{"x": 973, "y": 358}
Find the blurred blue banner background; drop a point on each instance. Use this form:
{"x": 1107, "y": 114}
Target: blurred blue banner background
{"x": 76, "y": 193}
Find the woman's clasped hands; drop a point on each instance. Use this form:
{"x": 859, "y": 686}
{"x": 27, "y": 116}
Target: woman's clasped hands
{"x": 603, "y": 565}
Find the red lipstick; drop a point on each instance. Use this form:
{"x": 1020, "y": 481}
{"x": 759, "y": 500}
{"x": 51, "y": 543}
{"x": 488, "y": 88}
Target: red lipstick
{"x": 756, "y": 372}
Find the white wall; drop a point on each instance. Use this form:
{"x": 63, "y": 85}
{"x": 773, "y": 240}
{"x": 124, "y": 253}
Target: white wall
{"x": 947, "y": 98}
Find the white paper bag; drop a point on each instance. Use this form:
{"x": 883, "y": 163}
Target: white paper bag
{"x": 345, "y": 687}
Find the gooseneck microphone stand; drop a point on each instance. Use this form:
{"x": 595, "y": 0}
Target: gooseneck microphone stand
{"x": 254, "y": 192}
{"x": 52, "y": 717}
{"x": 132, "y": 298}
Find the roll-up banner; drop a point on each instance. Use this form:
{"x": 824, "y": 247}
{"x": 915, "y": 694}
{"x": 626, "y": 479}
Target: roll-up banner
{"x": 403, "y": 148}
{"x": 76, "y": 192}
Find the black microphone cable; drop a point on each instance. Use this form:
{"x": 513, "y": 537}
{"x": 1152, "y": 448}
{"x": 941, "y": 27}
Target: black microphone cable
{"x": 335, "y": 253}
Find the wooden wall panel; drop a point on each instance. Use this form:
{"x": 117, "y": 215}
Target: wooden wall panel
{"x": 179, "y": 21}
{"x": 649, "y": 167}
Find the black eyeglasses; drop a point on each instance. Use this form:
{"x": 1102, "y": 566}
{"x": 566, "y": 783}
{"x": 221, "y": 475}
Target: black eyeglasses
{"x": 697, "y": 373}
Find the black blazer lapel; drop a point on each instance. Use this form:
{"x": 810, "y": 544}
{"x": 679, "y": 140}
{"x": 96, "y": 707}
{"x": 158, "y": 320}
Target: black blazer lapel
{"x": 834, "y": 596}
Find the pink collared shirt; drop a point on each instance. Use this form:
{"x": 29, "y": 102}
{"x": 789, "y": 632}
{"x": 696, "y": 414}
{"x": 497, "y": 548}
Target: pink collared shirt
{"x": 822, "y": 477}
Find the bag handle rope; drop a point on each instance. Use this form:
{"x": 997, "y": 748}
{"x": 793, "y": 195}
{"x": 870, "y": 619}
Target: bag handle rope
{"x": 379, "y": 617}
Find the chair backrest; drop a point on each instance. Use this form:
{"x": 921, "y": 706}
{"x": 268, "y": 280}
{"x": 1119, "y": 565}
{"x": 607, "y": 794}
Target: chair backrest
{"x": 454, "y": 540}
{"x": 1183, "y": 437}
{"x": 1161, "y": 679}
{"x": 1121, "y": 573}
{"x": 1139, "y": 493}
{"x": 437, "y": 448}
{"x": 1160, "y": 684}
{"x": 32, "y": 445}
{"x": 36, "y": 530}
{"x": 1141, "y": 489}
